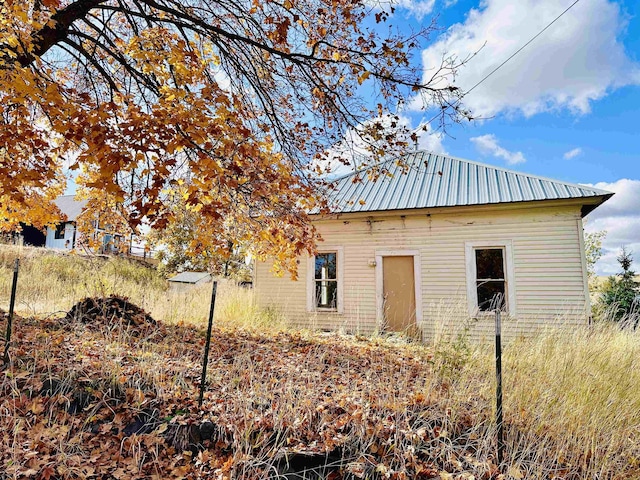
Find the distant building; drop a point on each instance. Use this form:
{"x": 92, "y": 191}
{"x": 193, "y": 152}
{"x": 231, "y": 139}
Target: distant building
{"x": 63, "y": 236}
{"x": 185, "y": 280}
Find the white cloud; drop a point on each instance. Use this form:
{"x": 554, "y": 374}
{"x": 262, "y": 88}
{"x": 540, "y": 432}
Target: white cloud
{"x": 579, "y": 59}
{"x": 417, "y": 8}
{"x": 354, "y": 147}
{"x": 620, "y": 217}
{"x": 429, "y": 140}
{"x": 488, "y": 145}
{"x": 572, "y": 153}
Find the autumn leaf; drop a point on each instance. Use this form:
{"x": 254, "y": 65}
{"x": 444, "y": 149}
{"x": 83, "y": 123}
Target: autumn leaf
{"x": 235, "y": 100}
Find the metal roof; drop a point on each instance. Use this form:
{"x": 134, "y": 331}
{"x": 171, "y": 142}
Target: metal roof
{"x": 426, "y": 180}
{"x": 191, "y": 277}
{"x": 70, "y": 206}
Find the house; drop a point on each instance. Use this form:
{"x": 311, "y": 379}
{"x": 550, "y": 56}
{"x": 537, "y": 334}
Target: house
{"x": 63, "y": 236}
{"x": 435, "y": 246}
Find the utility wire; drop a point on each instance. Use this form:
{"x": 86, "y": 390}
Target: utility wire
{"x": 457, "y": 102}
{"x": 521, "y": 48}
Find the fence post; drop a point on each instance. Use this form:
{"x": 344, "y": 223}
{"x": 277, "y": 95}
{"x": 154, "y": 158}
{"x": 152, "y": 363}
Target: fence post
{"x": 12, "y": 303}
{"x": 499, "y": 424}
{"x": 205, "y": 359}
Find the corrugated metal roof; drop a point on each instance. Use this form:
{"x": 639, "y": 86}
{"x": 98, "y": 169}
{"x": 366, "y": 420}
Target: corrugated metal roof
{"x": 191, "y": 277}
{"x": 70, "y": 206}
{"x": 426, "y": 180}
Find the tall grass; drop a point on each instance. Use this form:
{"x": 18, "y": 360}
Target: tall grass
{"x": 571, "y": 400}
{"x": 235, "y": 307}
{"x": 571, "y": 396}
{"x": 50, "y": 283}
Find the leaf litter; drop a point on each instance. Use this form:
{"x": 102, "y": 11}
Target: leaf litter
{"x": 99, "y": 399}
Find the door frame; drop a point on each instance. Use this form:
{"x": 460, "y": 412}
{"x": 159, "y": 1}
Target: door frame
{"x": 417, "y": 282}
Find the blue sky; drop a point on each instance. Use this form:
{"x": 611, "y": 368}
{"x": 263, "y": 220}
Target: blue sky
{"x": 565, "y": 107}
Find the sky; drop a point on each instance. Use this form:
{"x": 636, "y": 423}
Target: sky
{"x": 565, "y": 107}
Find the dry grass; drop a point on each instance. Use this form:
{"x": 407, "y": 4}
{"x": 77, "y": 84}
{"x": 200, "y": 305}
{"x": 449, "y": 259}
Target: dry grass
{"x": 50, "y": 283}
{"x": 579, "y": 392}
{"x": 572, "y": 397}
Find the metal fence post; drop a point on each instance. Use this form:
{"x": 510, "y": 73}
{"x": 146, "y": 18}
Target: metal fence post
{"x": 12, "y": 303}
{"x": 499, "y": 423}
{"x": 205, "y": 359}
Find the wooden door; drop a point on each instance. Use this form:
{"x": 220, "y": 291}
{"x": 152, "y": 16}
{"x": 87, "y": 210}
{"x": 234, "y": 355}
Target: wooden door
{"x": 399, "y": 293}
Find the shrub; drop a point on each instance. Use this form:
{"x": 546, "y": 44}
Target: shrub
{"x": 620, "y": 295}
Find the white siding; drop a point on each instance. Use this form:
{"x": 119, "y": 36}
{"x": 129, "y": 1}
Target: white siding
{"x": 547, "y": 263}
{"x": 65, "y": 243}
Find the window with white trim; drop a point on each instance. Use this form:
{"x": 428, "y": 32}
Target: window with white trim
{"x": 326, "y": 280}
{"x": 491, "y": 283}
{"x": 490, "y": 277}
{"x": 325, "y": 272}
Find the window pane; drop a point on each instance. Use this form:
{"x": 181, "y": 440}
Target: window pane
{"x": 489, "y": 263}
{"x": 326, "y": 294}
{"x": 60, "y": 231}
{"x": 491, "y": 295}
{"x": 326, "y": 266}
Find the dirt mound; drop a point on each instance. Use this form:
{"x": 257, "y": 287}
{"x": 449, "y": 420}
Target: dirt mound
{"x": 109, "y": 309}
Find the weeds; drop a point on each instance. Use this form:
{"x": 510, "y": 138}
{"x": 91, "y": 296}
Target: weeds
{"x": 369, "y": 406}
{"x": 571, "y": 400}
{"x": 51, "y": 283}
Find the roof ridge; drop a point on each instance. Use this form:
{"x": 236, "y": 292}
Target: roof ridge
{"x": 355, "y": 172}
{"x": 531, "y": 175}
{"x": 473, "y": 162}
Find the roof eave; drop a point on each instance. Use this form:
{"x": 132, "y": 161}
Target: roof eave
{"x": 587, "y": 208}
{"x": 586, "y": 204}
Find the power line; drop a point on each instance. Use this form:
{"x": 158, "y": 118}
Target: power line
{"x": 457, "y": 102}
{"x": 521, "y": 48}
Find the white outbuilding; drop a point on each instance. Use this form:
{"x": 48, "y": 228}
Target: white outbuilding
{"x": 63, "y": 236}
{"x": 185, "y": 280}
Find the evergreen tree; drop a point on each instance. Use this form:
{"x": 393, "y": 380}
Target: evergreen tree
{"x": 620, "y": 295}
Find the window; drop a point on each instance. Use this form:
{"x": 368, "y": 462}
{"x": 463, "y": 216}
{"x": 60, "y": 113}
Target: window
{"x": 326, "y": 280}
{"x": 60, "y": 231}
{"x": 490, "y": 277}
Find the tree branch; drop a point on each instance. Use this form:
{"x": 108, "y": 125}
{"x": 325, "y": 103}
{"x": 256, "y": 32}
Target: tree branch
{"x": 56, "y": 29}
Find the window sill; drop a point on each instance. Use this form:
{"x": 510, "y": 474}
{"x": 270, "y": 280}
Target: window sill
{"x": 484, "y": 315}
{"x": 326, "y": 310}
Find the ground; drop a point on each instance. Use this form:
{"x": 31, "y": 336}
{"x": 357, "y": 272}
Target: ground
{"x": 88, "y": 396}
{"x": 113, "y": 401}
